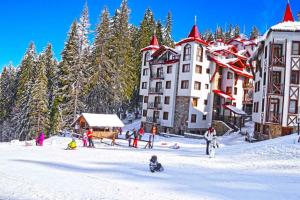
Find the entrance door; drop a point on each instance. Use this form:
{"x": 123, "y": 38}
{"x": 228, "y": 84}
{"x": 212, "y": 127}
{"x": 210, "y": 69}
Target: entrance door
{"x": 274, "y": 115}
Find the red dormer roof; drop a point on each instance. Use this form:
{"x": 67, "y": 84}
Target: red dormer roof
{"x": 153, "y": 44}
{"x": 194, "y": 32}
{"x": 194, "y": 36}
{"x": 288, "y": 15}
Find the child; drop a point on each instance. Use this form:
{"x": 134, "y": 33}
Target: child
{"x": 72, "y": 145}
{"x": 154, "y": 165}
{"x": 141, "y": 133}
{"x": 84, "y": 139}
{"x": 135, "y": 141}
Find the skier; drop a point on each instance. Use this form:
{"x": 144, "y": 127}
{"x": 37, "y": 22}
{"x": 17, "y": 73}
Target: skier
{"x": 84, "y": 139}
{"x": 153, "y": 133}
{"x": 141, "y": 133}
{"x": 209, "y": 134}
{"x": 40, "y": 139}
{"x": 212, "y": 146}
{"x": 136, "y": 137}
{"x": 72, "y": 145}
{"x": 90, "y": 137}
{"x": 154, "y": 165}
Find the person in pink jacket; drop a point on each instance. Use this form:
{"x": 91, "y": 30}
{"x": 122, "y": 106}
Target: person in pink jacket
{"x": 41, "y": 139}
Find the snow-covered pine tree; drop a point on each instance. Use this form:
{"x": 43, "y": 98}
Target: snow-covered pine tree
{"x": 38, "y": 104}
{"x": 84, "y": 29}
{"x": 66, "y": 79}
{"x": 254, "y": 33}
{"x": 159, "y": 31}
{"x": 219, "y": 34}
{"x": 237, "y": 31}
{"x": 167, "y": 38}
{"x": 26, "y": 79}
{"x": 208, "y": 36}
{"x": 229, "y": 33}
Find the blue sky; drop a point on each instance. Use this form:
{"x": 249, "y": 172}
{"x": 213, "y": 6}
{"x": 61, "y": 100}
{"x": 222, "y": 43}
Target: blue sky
{"x": 44, "y": 21}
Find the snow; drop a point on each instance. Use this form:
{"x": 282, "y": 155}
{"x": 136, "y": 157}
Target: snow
{"x": 102, "y": 120}
{"x": 286, "y": 26}
{"x": 240, "y": 170}
{"x": 235, "y": 110}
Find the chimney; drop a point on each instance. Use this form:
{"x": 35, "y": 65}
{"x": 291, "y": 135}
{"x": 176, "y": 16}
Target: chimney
{"x": 298, "y": 15}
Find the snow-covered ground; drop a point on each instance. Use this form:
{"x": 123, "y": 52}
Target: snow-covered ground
{"x": 262, "y": 170}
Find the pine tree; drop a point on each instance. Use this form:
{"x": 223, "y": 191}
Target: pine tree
{"x": 208, "y": 36}
{"x": 168, "y": 32}
{"x": 254, "y": 33}
{"x": 84, "y": 29}
{"x": 38, "y": 104}
{"x": 159, "y": 31}
{"x": 146, "y": 29}
{"x": 237, "y": 31}
{"x": 26, "y": 77}
{"x": 229, "y": 33}
{"x": 219, "y": 34}
{"x": 67, "y": 92}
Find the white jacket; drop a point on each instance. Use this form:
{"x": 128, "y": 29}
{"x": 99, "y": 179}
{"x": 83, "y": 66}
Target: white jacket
{"x": 209, "y": 135}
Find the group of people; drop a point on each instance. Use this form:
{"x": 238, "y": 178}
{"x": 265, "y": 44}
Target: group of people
{"x": 87, "y": 140}
{"x": 137, "y": 135}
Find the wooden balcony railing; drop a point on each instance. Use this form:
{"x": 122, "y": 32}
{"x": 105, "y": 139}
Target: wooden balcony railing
{"x": 154, "y": 105}
{"x": 278, "y": 61}
{"x": 157, "y": 76}
{"x": 276, "y": 89}
{"x": 153, "y": 120}
{"x": 274, "y": 117}
{"x": 156, "y": 91}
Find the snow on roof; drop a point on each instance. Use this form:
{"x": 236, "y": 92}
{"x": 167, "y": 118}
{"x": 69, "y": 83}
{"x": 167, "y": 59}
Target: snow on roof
{"x": 223, "y": 94}
{"x": 102, "y": 120}
{"x": 286, "y": 26}
{"x": 235, "y": 110}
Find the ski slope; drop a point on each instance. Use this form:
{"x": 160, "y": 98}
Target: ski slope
{"x": 263, "y": 170}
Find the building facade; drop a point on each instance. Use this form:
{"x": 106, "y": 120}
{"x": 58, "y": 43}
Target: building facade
{"x": 184, "y": 89}
{"x": 277, "y": 64}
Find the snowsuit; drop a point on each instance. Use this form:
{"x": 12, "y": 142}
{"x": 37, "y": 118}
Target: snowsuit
{"x": 154, "y": 165}
{"x": 84, "y": 139}
{"x": 136, "y": 137}
{"x": 141, "y": 133}
{"x": 72, "y": 145}
{"x": 39, "y": 141}
{"x": 209, "y": 134}
{"x": 90, "y": 138}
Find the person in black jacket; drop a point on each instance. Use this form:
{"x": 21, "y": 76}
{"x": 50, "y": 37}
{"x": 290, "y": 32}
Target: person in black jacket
{"x": 154, "y": 165}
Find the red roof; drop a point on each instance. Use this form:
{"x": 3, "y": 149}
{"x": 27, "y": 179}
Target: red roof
{"x": 288, "y": 15}
{"x": 154, "y": 41}
{"x": 194, "y": 32}
{"x": 223, "y": 94}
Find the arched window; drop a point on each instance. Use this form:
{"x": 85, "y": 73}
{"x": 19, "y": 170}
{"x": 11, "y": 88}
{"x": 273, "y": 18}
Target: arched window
{"x": 187, "y": 52}
{"x": 229, "y": 75}
{"x": 146, "y": 58}
{"x": 199, "y": 54}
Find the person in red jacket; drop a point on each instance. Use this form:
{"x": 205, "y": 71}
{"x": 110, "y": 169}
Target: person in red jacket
{"x": 136, "y": 136}
{"x": 141, "y": 133}
{"x": 90, "y": 137}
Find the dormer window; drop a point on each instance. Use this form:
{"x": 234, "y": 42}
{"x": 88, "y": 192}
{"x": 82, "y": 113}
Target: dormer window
{"x": 187, "y": 52}
{"x": 146, "y": 58}
{"x": 199, "y": 55}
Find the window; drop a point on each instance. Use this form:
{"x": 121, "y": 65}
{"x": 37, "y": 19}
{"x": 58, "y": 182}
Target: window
{"x": 169, "y": 69}
{"x": 199, "y": 54}
{"x": 203, "y": 117}
{"x": 266, "y": 52}
{"x": 187, "y": 52}
{"x": 229, "y": 90}
{"x": 195, "y": 102}
{"x": 145, "y": 72}
{"x": 205, "y": 102}
{"x": 198, "y": 69}
{"x": 229, "y": 75}
{"x": 144, "y": 85}
{"x": 168, "y": 85}
{"x": 265, "y": 76}
{"x": 295, "y": 77}
{"x": 193, "y": 118}
{"x": 197, "y": 85}
{"x": 296, "y": 48}
{"x": 277, "y": 54}
{"x": 144, "y": 113}
{"x": 293, "y": 106}
{"x": 184, "y": 84}
{"x": 263, "y": 105}
{"x": 146, "y": 58}
{"x": 145, "y": 99}
{"x": 206, "y": 86}
{"x": 207, "y": 70}
{"x": 186, "y": 68}
{"x": 235, "y": 91}
{"x": 165, "y": 116}
{"x": 167, "y": 100}
{"x": 220, "y": 70}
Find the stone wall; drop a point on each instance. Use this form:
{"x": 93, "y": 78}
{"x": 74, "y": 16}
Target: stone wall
{"x": 181, "y": 114}
{"x": 220, "y": 127}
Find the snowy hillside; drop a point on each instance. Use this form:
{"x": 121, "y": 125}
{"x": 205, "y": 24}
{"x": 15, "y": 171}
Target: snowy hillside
{"x": 264, "y": 170}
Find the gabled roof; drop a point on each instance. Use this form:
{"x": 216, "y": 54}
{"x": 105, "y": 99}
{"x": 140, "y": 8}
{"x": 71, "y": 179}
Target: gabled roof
{"x": 162, "y": 49}
{"x": 194, "y": 36}
{"x": 153, "y": 44}
{"x": 288, "y": 15}
{"x": 101, "y": 120}
{"x": 194, "y": 32}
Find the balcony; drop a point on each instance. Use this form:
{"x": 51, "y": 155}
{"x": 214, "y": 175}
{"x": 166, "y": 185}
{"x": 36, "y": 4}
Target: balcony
{"x": 278, "y": 61}
{"x": 274, "y": 117}
{"x": 248, "y": 85}
{"x": 153, "y": 120}
{"x": 154, "y": 105}
{"x": 157, "y": 76}
{"x": 248, "y": 99}
{"x": 276, "y": 89}
{"x": 156, "y": 91}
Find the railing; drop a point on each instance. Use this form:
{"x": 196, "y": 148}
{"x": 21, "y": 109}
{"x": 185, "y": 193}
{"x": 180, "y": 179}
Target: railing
{"x": 248, "y": 98}
{"x": 154, "y": 105}
{"x": 165, "y": 61}
{"x": 157, "y": 76}
{"x": 156, "y": 91}
{"x": 276, "y": 89}
{"x": 152, "y": 120}
{"x": 278, "y": 61}
{"x": 248, "y": 85}
{"x": 274, "y": 117}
